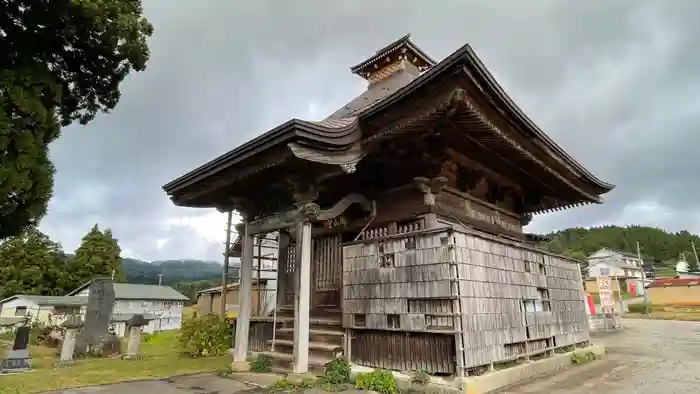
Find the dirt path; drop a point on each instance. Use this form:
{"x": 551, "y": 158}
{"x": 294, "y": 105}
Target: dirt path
{"x": 650, "y": 356}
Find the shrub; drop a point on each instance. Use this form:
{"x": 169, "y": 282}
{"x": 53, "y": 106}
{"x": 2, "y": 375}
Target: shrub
{"x": 262, "y": 364}
{"x": 337, "y": 371}
{"x": 49, "y": 336}
{"x": 420, "y": 377}
{"x": 379, "y": 380}
{"x": 580, "y": 359}
{"x": 208, "y": 335}
{"x": 639, "y": 308}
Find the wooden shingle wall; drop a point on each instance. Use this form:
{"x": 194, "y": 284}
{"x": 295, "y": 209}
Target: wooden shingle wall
{"x": 515, "y": 301}
{"x": 498, "y": 299}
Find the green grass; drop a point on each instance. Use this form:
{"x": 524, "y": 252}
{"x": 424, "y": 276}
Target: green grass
{"x": 161, "y": 359}
{"x": 670, "y": 312}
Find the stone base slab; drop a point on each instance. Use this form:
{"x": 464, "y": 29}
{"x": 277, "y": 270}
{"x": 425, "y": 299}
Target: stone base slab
{"x": 490, "y": 381}
{"x": 240, "y": 366}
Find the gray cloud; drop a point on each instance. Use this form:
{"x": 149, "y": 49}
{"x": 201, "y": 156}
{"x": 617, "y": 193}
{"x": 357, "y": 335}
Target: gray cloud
{"x": 615, "y": 83}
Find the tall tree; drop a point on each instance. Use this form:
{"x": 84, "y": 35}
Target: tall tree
{"x": 60, "y": 61}
{"x": 31, "y": 263}
{"x": 99, "y": 254}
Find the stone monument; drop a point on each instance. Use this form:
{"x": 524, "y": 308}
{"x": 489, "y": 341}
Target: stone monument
{"x": 17, "y": 359}
{"x": 95, "y": 339}
{"x": 134, "y": 327}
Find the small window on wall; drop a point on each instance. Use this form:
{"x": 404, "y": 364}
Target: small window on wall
{"x": 393, "y": 321}
{"x": 21, "y": 311}
{"x": 359, "y": 320}
{"x": 604, "y": 271}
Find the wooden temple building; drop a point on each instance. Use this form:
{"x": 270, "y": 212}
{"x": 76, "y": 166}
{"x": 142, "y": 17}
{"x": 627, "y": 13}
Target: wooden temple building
{"x": 400, "y": 224}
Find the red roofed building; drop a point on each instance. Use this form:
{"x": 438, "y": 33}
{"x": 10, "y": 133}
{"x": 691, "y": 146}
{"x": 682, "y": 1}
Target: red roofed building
{"x": 675, "y": 291}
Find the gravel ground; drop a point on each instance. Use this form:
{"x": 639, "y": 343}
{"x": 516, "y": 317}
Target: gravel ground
{"x": 648, "y": 356}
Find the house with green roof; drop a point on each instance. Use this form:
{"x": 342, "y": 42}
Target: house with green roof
{"x": 161, "y": 305}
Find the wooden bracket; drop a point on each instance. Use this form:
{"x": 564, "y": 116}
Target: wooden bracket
{"x": 430, "y": 187}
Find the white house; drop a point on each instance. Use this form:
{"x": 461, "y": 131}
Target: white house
{"x": 610, "y": 262}
{"x": 161, "y": 304}
{"x": 47, "y": 310}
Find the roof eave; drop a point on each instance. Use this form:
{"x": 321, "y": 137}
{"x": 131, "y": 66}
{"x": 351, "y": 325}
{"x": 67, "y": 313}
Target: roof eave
{"x": 466, "y": 54}
{"x": 331, "y": 138}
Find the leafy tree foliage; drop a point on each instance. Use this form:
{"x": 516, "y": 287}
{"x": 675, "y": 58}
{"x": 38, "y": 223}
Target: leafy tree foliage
{"x": 658, "y": 246}
{"x": 31, "y": 263}
{"x": 60, "y": 61}
{"x": 97, "y": 256}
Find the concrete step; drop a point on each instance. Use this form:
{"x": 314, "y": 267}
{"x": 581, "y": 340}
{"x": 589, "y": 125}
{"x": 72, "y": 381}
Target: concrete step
{"x": 284, "y": 363}
{"x": 326, "y": 335}
{"x": 317, "y": 350}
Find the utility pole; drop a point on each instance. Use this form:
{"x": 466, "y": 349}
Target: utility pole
{"x": 224, "y": 274}
{"x": 695, "y": 252}
{"x": 646, "y": 295}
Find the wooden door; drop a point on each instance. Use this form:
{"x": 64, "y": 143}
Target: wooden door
{"x": 326, "y": 271}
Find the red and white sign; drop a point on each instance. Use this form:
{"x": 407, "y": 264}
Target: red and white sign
{"x": 605, "y": 291}
{"x": 604, "y": 284}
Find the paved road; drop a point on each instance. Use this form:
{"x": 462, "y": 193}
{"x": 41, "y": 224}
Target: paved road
{"x": 650, "y": 356}
{"x": 197, "y": 384}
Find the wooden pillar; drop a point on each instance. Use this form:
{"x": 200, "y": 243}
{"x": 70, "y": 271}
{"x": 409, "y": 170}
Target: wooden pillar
{"x": 245, "y": 295}
{"x": 302, "y": 298}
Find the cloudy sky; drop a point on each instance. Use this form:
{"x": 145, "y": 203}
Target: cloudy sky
{"x": 616, "y": 83}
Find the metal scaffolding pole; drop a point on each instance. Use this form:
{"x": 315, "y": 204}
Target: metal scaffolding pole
{"x": 224, "y": 274}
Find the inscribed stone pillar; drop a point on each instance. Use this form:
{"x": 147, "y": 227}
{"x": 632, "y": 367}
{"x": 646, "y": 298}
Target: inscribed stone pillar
{"x": 240, "y": 351}
{"x": 302, "y": 298}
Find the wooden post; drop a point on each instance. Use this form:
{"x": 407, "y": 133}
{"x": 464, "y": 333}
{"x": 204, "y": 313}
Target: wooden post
{"x": 302, "y": 298}
{"x": 224, "y": 274}
{"x": 240, "y": 351}
{"x": 259, "y": 238}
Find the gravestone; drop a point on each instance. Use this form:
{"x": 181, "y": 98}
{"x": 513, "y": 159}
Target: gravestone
{"x": 17, "y": 359}
{"x": 98, "y": 314}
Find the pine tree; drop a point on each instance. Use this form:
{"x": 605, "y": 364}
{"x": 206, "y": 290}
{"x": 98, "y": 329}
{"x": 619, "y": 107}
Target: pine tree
{"x": 31, "y": 263}
{"x": 97, "y": 256}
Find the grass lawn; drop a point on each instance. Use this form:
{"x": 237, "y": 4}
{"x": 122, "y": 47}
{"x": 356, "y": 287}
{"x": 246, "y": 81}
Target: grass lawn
{"x": 161, "y": 360}
{"x": 670, "y": 312}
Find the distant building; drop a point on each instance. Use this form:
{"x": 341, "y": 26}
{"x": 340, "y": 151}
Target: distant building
{"x": 209, "y": 300}
{"x": 47, "y": 310}
{"x": 610, "y": 262}
{"x": 162, "y": 304}
{"x": 683, "y": 270}
{"x": 675, "y": 291}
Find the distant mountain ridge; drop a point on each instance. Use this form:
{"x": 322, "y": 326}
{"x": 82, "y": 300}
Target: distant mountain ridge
{"x": 139, "y": 271}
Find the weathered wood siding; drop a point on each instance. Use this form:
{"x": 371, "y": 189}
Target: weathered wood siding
{"x": 497, "y": 300}
{"x": 515, "y": 300}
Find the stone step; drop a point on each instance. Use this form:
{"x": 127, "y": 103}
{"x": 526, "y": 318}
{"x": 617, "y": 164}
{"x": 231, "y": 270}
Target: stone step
{"x": 317, "y": 350}
{"x": 327, "y": 335}
{"x": 284, "y": 363}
